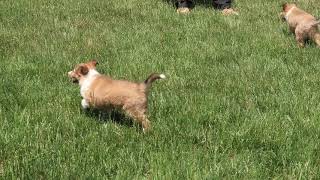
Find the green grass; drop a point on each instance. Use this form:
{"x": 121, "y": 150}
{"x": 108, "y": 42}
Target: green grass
{"x": 241, "y": 99}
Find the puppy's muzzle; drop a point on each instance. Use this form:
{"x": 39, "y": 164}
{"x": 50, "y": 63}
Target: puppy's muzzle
{"x": 71, "y": 76}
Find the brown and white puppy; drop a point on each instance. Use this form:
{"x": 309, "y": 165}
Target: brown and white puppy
{"x": 104, "y": 93}
{"x": 303, "y": 24}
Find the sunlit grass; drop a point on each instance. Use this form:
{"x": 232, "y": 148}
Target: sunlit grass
{"x": 241, "y": 99}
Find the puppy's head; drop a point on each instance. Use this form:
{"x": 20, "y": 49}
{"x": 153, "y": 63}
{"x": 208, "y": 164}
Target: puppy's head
{"x": 81, "y": 70}
{"x": 287, "y": 6}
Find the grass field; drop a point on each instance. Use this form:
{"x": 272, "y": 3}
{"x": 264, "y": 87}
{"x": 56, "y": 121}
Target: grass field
{"x": 241, "y": 99}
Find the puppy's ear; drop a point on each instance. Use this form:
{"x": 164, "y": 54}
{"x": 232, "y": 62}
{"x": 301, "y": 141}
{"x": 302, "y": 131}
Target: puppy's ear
{"x": 93, "y": 62}
{"x": 284, "y": 6}
{"x": 83, "y": 70}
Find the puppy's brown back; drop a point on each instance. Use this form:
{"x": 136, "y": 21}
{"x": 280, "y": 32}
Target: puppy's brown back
{"x": 105, "y": 91}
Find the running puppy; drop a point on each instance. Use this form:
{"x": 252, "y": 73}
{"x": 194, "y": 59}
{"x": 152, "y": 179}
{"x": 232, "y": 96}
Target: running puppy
{"x": 303, "y": 24}
{"x": 104, "y": 93}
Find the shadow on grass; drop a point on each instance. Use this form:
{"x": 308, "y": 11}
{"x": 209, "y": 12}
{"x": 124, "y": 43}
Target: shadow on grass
{"x": 112, "y": 116}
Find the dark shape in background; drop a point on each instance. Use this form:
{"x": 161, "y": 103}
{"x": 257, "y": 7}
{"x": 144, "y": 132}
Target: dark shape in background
{"x": 217, "y": 4}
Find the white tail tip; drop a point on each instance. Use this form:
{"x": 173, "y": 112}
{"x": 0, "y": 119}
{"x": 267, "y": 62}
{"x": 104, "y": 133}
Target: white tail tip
{"x": 162, "y": 76}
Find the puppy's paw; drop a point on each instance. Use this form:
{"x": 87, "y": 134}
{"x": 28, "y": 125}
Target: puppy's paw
{"x": 84, "y": 104}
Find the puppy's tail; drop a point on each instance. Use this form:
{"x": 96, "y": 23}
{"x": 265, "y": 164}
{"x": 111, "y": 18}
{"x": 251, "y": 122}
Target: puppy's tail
{"x": 153, "y": 77}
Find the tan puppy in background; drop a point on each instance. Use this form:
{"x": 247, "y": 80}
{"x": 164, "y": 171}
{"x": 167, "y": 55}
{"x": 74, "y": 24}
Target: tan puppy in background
{"x": 104, "y": 93}
{"x": 303, "y": 24}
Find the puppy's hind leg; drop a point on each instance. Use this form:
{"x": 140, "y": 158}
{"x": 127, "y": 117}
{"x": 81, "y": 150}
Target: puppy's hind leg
{"x": 139, "y": 116}
{"x": 300, "y": 39}
{"x": 146, "y": 125}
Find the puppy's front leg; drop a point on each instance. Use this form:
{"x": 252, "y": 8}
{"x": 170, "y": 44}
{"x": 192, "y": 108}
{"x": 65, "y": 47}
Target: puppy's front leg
{"x": 300, "y": 37}
{"x": 300, "y": 41}
{"x": 84, "y": 104}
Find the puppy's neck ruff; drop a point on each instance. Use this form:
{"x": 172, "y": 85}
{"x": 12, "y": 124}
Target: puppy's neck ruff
{"x": 87, "y": 80}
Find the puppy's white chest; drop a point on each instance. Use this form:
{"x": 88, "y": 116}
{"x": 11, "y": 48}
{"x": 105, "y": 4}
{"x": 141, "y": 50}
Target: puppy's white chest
{"x": 89, "y": 78}
{"x": 84, "y": 88}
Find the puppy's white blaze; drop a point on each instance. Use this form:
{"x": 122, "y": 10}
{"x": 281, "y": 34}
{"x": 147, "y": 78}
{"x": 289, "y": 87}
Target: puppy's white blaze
{"x": 162, "y": 76}
{"x": 88, "y": 78}
{"x": 288, "y": 13}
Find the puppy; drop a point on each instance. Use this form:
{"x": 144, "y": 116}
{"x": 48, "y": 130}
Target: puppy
{"x": 303, "y": 24}
{"x": 104, "y": 93}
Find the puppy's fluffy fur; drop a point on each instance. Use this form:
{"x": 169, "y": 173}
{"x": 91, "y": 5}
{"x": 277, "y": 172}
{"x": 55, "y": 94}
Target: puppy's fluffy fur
{"x": 102, "y": 92}
{"x": 301, "y": 23}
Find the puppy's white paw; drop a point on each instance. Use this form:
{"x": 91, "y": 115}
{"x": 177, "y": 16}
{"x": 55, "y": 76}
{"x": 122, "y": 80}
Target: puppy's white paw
{"x": 84, "y": 104}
